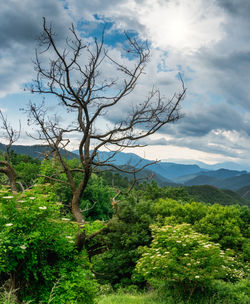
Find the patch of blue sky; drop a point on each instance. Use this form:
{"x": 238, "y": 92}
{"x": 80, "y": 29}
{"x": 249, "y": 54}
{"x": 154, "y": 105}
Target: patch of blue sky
{"x": 14, "y": 105}
{"x": 114, "y": 37}
{"x": 191, "y": 99}
{"x": 162, "y": 66}
{"x": 65, "y": 4}
{"x": 214, "y": 98}
{"x": 189, "y": 69}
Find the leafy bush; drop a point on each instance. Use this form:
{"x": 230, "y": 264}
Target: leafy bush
{"x": 95, "y": 201}
{"x": 223, "y": 224}
{"x": 37, "y": 249}
{"x": 128, "y": 229}
{"x": 75, "y": 285}
{"x": 186, "y": 260}
{"x": 226, "y": 225}
{"x": 226, "y": 292}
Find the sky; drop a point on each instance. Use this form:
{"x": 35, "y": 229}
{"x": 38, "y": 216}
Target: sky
{"x": 208, "y": 42}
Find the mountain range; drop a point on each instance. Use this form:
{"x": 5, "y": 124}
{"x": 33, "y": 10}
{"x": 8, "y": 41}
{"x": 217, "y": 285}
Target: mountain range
{"x": 165, "y": 173}
{"x": 183, "y": 174}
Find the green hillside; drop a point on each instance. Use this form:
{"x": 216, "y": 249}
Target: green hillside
{"x": 233, "y": 183}
{"x": 210, "y": 194}
{"x": 244, "y": 192}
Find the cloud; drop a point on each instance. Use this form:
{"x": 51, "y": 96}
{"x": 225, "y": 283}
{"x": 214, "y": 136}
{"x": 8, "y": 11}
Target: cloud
{"x": 207, "y": 41}
{"x": 217, "y": 117}
{"x": 154, "y": 142}
{"x": 237, "y": 8}
{"x": 228, "y": 143}
{"x": 21, "y": 24}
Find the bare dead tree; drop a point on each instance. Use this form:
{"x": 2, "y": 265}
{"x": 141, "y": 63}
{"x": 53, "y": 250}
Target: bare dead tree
{"x": 11, "y": 135}
{"x": 74, "y": 75}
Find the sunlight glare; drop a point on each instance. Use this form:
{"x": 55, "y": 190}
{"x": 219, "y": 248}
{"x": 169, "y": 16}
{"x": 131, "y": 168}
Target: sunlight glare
{"x": 182, "y": 25}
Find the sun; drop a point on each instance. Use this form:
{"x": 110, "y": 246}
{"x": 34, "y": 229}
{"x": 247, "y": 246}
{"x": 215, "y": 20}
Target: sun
{"x": 182, "y": 25}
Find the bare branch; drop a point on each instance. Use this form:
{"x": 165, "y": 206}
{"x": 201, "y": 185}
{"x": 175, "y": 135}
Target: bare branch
{"x": 11, "y": 135}
{"x": 86, "y": 94}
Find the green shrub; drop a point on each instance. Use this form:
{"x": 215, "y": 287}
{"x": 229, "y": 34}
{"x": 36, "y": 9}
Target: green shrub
{"x": 37, "y": 249}
{"x": 75, "y": 285}
{"x": 186, "y": 260}
{"x": 223, "y": 224}
{"x": 226, "y": 292}
{"x": 95, "y": 201}
{"x": 128, "y": 229}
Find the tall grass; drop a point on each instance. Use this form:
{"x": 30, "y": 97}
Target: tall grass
{"x": 131, "y": 298}
{"x": 9, "y": 297}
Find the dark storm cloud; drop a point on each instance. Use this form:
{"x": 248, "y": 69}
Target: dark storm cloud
{"x": 236, "y": 62}
{"x": 200, "y": 123}
{"x": 153, "y": 142}
{"x": 231, "y": 75}
{"x": 236, "y": 7}
{"x": 209, "y": 145}
{"x": 21, "y": 21}
{"x": 21, "y": 24}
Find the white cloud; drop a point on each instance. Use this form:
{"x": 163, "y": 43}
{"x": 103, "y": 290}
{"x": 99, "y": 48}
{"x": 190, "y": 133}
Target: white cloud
{"x": 208, "y": 41}
{"x": 179, "y": 24}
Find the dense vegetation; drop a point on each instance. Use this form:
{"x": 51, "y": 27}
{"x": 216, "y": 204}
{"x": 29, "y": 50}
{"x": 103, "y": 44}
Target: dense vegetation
{"x": 151, "y": 244}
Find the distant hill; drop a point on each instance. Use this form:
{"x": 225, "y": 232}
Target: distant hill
{"x": 128, "y": 159}
{"x": 244, "y": 192}
{"x": 165, "y": 173}
{"x": 210, "y": 194}
{"x": 132, "y": 160}
{"x": 235, "y": 183}
{"x": 167, "y": 170}
{"x": 202, "y": 180}
{"x": 147, "y": 173}
{"x": 35, "y": 151}
{"x": 232, "y": 183}
{"x": 174, "y": 171}
{"x": 224, "y": 173}
{"x": 210, "y": 177}
{"x": 224, "y": 165}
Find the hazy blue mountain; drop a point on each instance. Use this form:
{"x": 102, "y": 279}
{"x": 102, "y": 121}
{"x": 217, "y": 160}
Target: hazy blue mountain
{"x": 35, "y": 151}
{"x": 173, "y": 171}
{"x": 128, "y": 159}
{"x": 233, "y": 183}
{"x": 202, "y": 180}
{"x": 219, "y": 174}
{"x": 185, "y": 178}
{"x": 224, "y": 165}
{"x": 148, "y": 175}
{"x": 165, "y": 169}
{"x": 224, "y": 173}
{"x": 121, "y": 158}
{"x": 165, "y": 173}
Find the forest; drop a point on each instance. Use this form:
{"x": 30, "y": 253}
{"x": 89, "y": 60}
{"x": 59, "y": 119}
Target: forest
{"x": 149, "y": 244}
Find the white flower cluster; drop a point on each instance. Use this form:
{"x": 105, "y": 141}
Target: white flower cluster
{"x": 9, "y": 225}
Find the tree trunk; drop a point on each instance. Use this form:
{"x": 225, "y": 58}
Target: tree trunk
{"x": 8, "y": 170}
{"x": 76, "y": 211}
